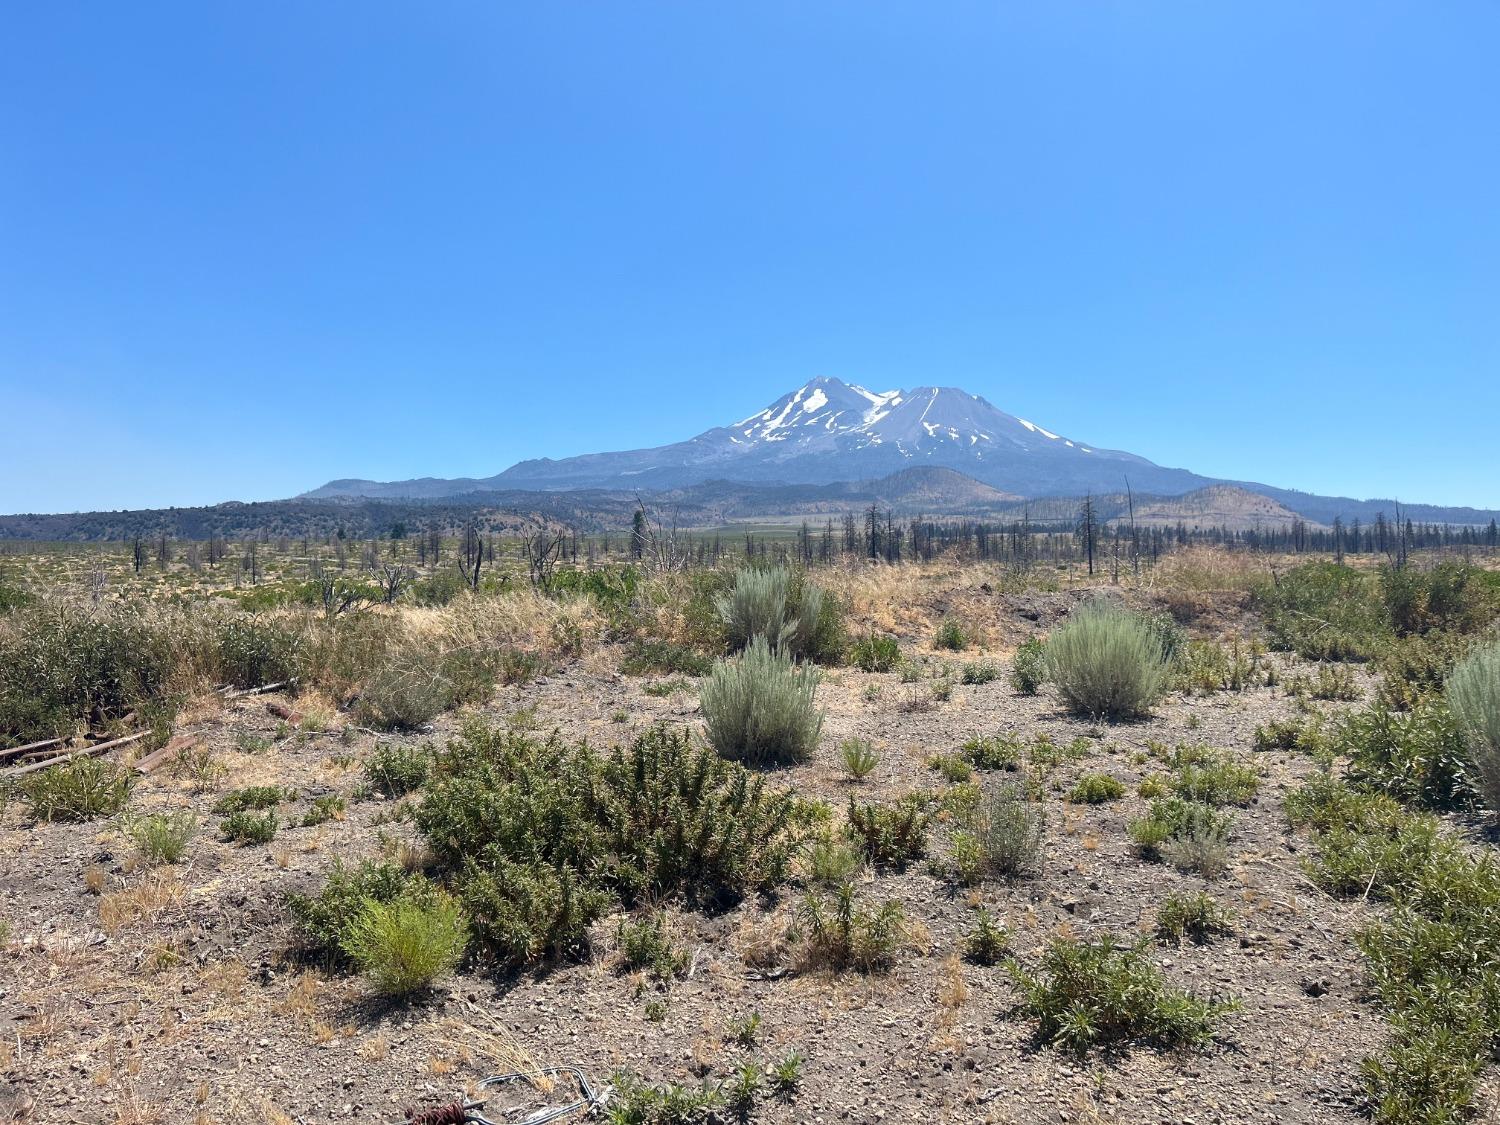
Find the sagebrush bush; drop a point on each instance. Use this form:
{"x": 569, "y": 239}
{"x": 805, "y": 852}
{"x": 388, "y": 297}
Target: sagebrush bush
{"x": 840, "y": 935}
{"x": 785, "y": 610}
{"x": 1473, "y": 694}
{"x": 759, "y": 707}
{"x": 1000, "y": 837}
{"x": 1107, "y": 662}
{"x": 162, "y": 837}
{"x": 404, "y": 944}
{"x": 1028, "y": 668}
{"x": 83, "y": 789}
{"x": 1093, "y": 993}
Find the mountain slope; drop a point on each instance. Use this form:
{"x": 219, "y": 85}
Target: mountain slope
{"x": 829, "y": 431}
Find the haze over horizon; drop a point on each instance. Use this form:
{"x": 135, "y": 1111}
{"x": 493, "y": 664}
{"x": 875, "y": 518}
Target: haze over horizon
{"x": 244, "y": 252}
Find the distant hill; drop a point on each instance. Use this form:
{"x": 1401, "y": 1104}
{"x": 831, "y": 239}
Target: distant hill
{"x": 923, "y": 490}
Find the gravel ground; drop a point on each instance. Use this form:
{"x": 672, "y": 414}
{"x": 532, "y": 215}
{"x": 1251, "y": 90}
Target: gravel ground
{"x": 174, "y": 995}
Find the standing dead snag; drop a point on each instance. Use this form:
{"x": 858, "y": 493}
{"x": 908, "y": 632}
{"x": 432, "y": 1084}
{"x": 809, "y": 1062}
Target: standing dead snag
{"x": 542, "y": 551}
{"x": 472, "y": 559}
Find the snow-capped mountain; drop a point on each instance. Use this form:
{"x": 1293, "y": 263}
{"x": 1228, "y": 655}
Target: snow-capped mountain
{"x": 829, "y": 430}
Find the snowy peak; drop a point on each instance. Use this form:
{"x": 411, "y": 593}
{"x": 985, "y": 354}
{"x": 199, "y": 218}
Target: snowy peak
{"x": 824, "y": 404}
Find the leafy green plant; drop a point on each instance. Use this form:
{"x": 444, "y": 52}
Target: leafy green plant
{"x": 1002, "y": 836}
{"x": 323, "y": 921}
{"x": 162, "y": 837}
{"x": 951, "y": 635}
{"x": 323, "y": 809}
{"x": 1107, "y": 663}
{"x": 994, "y": 752}
{"x": 1096, "y": 789}
{"x": 404, "y": 945}
{"x": 981, "y": 672}
{"x": 988, "y": 942}
{"x": 247, "y": 828}
{"x": 250, "y": 798}
{"x": 1324, "y": 611}
{"x": 1212, "y": 777}
{"x": 892, "y": 835}
{"x": 83, "y": 789}
{"x": 839, "y": 935}
{"x": 831, "y": 859}
{"x": 786, "y": 1074}
{"x": 1196, "y": 918}
{"x": 875, "y": 652}
{"x": 952, "y": 767}
{"x": 745, "y": 1031}
{"x": 859, "y": 758}
{"x": 1417, "y": 756}
{"x": 395, "y": 770}
{"x": 650, "y": 655}
{"x": 1094, "y": 993}
{"x": 759, "y": 708}
{"x": 645, "y": 944}
{"x": 1028, "y": 669}
{"x": 1188, "y": 834}
{"x": 639, "y": 1103}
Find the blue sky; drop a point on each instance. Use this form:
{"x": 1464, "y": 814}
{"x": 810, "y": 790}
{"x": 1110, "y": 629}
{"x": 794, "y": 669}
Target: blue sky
{"x": 247, "y": 248}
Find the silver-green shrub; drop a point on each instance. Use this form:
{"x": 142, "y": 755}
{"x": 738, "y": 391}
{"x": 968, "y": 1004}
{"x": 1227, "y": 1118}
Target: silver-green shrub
{"x": 759, "y": 707}
{"x": 1107, "y": 662}
{"x": 1473, "y": 692}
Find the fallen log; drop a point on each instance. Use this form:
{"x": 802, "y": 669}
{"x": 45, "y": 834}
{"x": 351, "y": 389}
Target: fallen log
{"x": 282, "y": 711}
{"x": 30, "y": 748}
{"x": 160, "y": 757}
{"x": 86, "y": 752}
{"x": 277, "y": 686}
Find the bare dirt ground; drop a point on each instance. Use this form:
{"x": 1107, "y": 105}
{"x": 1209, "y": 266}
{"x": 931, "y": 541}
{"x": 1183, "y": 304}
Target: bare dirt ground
{"x": 174, "y": 994}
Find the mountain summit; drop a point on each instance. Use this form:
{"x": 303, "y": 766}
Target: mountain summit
{"x": 829, "y": 430}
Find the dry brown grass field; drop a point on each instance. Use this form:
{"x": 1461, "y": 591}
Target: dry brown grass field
{"x": 135, "y": 990}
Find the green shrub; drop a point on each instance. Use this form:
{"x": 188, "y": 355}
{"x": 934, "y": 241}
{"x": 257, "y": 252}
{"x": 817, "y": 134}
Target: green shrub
{"x": 441, "y": 588}
{"x": 324, "y": 921}
{"x": 875, "y": 652}
{"x": 1107, "y": 663}
{"x": 322, "y": 810}
{"x": 638, "y": 1103}
{"x": 786, "y": 1075}
{"x": 1000, "y": 837}
{"x": 1418, "y": 756}
{"x": 840, "y": 935}
{"x": 830, "y": 859}
{"x": 404, "y": 945}
{"x": 1306, "y": 735}
{"x": 786, "y": 611}
{"x": 952, "y": 768}
{"x": 951, "y": 635}
{"x": 1432, "y": 961}
{"x": 1206, "y": 667}
{"x": 1474, "y": 699}
{"x": 162, "y": 837}
{"x": 247, "y": 828}
{"x": 1195, "y": 918}
{"x": 1096, "y": 993}
{"x": 1096, "y": 789}
{"x": 251, "y": 797}
{"x": 988, "y": 942}
{"x": 417, "y": 683}
{"x": 1212, "y": 777}
{"x": 859, "y": 758}
{"x": 891, "y": 835}
{"x": 541, "y": 838}
{"x": 395, "y": 770}
{"x": 994, "y": 752}
{"x": 254, "y": 650}
{"x": 83, "y": 789}
{"x": 1028, "y": 669}
{"x": 1453, "y": 595}
{"x": 653, "y": 655}
{"x": 1415, "y": 669}
{"x": 1189, "y": 834}
{"x": 759, "y": 707}
{"x": 67, "y": 667}
{"x": 982, "y": 672}
{"x": 1324, "y": 611}
{"x": 646, "y": 945}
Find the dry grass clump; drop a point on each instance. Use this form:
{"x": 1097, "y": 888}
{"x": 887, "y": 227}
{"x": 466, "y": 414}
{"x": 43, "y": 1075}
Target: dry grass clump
{"x": 1204, "y": 568}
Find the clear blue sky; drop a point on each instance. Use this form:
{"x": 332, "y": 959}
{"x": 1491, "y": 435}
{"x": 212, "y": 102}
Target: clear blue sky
{"x": 245, "y": 248}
